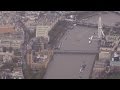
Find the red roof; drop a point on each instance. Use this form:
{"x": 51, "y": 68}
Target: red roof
{"x": 6, "y": 29}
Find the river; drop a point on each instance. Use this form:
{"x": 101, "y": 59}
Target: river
{"x": 67, "y": 66}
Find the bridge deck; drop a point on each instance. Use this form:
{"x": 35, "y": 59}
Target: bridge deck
{"x": 76, "y": 52}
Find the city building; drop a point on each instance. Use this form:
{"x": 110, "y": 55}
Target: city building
{"x": 7, "y": 57}
{"x": 39, "y": 43}
{"x": 39, "y": 60}
{"x": 17, "y": 73}
{"x": 107, "y": 46}
{"x": 99, "y": 66}
{"x": 38, "y": 53}
{"x": 10, "y": 37}
{"x": 105, "y": 50}
{"x": 115, "y": 60}
{"x": 42, "y": 31}
{"x": 111, "y": 38}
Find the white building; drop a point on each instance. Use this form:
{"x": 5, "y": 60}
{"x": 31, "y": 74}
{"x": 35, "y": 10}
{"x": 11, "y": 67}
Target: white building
{"x": 42, "y": 31}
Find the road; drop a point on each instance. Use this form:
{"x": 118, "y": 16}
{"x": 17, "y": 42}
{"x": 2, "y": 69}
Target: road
{"x": 67, "y": 66}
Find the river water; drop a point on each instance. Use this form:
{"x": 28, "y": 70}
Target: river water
{"x": 67, "y": 66}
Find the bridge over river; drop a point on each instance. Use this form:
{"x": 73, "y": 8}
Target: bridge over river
{"x": 74, "y": 51}
{"x": 67, "y": 66}
{"x": 89, "y": 52}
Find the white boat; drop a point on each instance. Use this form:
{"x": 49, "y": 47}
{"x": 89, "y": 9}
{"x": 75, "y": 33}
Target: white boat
{"x": 81, "y": 70}
{"x": 90, "y": 42}
{"x": 71, "y": 20}
{"x": 59, "y": 45}
{"x": 82, "y": 67}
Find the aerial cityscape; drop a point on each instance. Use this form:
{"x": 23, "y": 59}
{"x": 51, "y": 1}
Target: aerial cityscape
{"x": 59, "y": 44}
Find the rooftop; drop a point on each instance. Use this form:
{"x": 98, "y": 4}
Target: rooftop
{"x": 6, "y": 29}
{"x": 108, "y": 45}
{"x": 115, "y": 63}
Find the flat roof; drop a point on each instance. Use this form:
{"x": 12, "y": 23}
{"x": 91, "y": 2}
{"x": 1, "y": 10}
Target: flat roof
{"x": 6, "y": 29}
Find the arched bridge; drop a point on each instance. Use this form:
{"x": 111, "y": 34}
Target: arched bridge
{"x": 76, "y": 51}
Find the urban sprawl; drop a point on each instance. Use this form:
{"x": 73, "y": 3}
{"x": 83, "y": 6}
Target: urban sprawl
{"x": 30, "y": 39}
